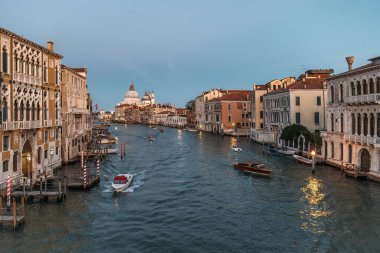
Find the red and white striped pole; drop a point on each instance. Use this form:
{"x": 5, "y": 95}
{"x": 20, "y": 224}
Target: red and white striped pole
{"x": 97, "y": 167}
{"x": 84, "y": 176}
{"x": 82, "y": 159}
{"x": 9, "y": 191}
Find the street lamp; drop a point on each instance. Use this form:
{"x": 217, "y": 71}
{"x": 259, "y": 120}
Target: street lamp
{"x": 313, "y": 161}
{"x": 28, "y": 159}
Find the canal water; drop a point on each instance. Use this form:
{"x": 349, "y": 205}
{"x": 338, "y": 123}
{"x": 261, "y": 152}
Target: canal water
{"x": 186, "y": 197}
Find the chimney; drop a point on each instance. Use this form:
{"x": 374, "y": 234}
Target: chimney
{"x": 350, "y": 61}
{"x": 50, "y": 45}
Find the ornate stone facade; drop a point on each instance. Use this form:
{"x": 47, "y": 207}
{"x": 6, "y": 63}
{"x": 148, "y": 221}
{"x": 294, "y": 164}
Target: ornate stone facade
{"x": 30, "y": 107}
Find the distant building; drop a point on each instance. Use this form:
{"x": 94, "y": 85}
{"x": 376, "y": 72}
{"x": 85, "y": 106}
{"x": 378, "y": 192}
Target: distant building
{"x": 200, "y": 114}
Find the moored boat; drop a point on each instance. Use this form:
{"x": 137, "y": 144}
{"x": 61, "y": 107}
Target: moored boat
{"x": 286, "y": 152}
{"x": 151, "y": 138}
{"x": 254, "y": 168}
{"x": 303, "y": 160}
{"x": 121, "y": 182}
{"x": 236, "y": 149}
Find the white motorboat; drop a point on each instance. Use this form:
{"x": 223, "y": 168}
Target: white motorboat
{"x": 121, "y": 182}
{"x": 236, "y": 149}
{"x": 286, "y": 152}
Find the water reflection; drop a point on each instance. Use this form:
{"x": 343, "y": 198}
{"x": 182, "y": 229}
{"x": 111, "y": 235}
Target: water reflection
{"x": 233, "y": 141}
{"x": 179, "y": 136}
{"x": 315, "y": 209}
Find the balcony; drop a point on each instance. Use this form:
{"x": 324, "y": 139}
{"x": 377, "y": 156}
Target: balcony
{"x": 323, "y": 134}
{"x": 13, "y": 125}
{"x": 26, "y": 79}
{"x": 363, "y": 99}
{"x": 79, "y": 111}
{"x": 363, "y": 140}
{"x": 47, "y": 123}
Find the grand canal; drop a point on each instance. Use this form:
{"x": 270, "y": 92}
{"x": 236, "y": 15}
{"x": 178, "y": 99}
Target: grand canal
{"x": 186, "y": 197}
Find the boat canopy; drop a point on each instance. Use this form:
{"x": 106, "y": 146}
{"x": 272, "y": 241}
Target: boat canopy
{"x": 120, "y": 178}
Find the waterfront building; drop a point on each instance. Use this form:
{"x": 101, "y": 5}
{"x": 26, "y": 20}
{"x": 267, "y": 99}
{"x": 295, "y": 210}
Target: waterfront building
{"x": 200, "y": 114}
{"x": 76, "y": 117}
{"x": 257, "y": 130}
{"x": 301, "y": 102}
{"x": 178, "y": 121}
{"x": 30, "y": 135}
{"x": 228, "y": 114}
{"x": 353, "y": 118}
{"x": 105, "y": 115}
{"x": 119, "y": 115}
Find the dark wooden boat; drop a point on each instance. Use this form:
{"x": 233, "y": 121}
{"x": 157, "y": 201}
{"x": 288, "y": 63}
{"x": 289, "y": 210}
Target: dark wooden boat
{"x": 254, "y": 168}
{"x": 303, "y": 160}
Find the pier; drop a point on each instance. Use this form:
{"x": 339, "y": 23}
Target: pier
{"x": 12, "y": 215}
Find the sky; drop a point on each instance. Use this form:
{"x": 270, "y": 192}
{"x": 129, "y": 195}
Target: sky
{"x": 179, "y": 48}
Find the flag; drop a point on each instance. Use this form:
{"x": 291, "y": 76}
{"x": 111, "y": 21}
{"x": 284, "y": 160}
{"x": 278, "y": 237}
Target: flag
{"x": 96, "y": 107}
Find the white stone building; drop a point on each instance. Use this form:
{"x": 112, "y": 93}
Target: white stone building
{"x": 177, "y": 121}
{"x": 353, "y": 118}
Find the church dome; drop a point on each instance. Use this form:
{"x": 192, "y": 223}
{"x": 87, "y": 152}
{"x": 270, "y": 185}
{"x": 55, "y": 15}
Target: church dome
{"x": 146, "y": 97}
{"x": 131, "y": 93}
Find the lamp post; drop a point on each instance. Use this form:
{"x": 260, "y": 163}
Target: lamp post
{"x": 51, "y": 158}
{"x": 28, "y": 159}
{"x": 313, "y": 161}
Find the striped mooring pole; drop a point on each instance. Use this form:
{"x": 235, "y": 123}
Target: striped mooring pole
{"x": 84, "y": 176}
{"x": 82, "y": 159}
{"x": 97, "y": 167}
{"x": 9, "y": 191}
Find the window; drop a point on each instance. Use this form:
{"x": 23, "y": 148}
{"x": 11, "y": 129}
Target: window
{"x": 298, "y": 118}
{"x": 229, "y": 118}
{"x": 46, "y": 136}
{"x": 229, "y": 106}
{"x": 5, "y": 60}
{"x": 5, "y": 165}
{"x": 15, "y": 162}
{"x": 56, "y": 150}
{"x": 261, "y": 125}
{"x": 5, "y": 143}
{"x": 316, "y": 118}
{"x": 261, "y": 114}
{"x": 45, "y": 153}
{"x": 319, "y": 100}
{"x": 243, "y": 115}
{"x": 39, "y": 155}
{"x": 45, "y": 72}
{"x": 52, "y": 133}
{"x": 56, "y": 133}
{"x": 332, "y": 94}
{"x": 298, "y": 101}
{"x": 261, "y": 99}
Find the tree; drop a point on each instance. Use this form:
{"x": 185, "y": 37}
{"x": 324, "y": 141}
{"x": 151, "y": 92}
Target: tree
{"x": 190, "y": 105}
{"x": 294, "y": 131}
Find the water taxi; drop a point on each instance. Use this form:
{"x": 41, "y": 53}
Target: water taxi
{"x": 121, "y": 182}
{"x": 254, "y": 168}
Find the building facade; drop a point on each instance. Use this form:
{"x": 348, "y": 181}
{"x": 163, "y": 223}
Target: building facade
{"x": 301, "y": 102}
{"x": 352, "y": 135}
{"x": 200, "y": 114}
{"x": 76, "y": 117}
{"x": 30, "y": 107}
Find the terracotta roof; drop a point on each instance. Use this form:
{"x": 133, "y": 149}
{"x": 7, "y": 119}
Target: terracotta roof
{"x": 302, "y": 84}
{"x": 260, "y": 87}
{"x": 235, "y": 95}
{"x": 80, "y": 69}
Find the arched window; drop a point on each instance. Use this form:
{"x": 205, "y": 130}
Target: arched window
{"x": 371, "y": 86}
{"x": 365, "y": 124}
{"x": 45, "y": 111}
{"x": 341, "y": 123}
{"x": 5, "y": 60}
{"x": 27, "y": 111}
{"x": 56, "y": 110}
{"x": 38, "y": 111}
{"x": 38, "y": 69}
{"x": 15, "y": 62}
{"x": 349, "y": 153}
{"x": 332, "y": 94}
{"x": 372, "y": 125}
{"x": 353, "y": 121}
{"x": 32, "y": 68}
{"x": 27, "y": 66}
{"x": 365, "y": 87}
{"x": 22, "y": 111}
{"x": 332, "y": 149}
{"x": 352, "y": 89}
{"x": 21, "y": 63}
{"x": 45, "y": 72}
{"x": 341, "y": 93}
{"x": 332, "y": 122}
{"x": 358, "y": 88}
{"x": 5, "y": 110}
{"x": 33, "y": 111}
{"x": 15, "y": 111}
{"x": 359, "y": 124}
{"x": 341, "y": 151}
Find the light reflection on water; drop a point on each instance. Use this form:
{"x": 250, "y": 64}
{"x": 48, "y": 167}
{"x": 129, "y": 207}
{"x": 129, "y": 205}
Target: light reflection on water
{"x": 315, "y": 209}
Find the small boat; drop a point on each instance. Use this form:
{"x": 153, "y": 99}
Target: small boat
{"x": 121, "y": 182}
{"x": 154, "y": 128}
{"x": 236, "y": 149}
{"x": 151, "y": 138}
{"x": 161, "y": 130}
{"x": 303, "y": 160}
{"x": 286, "y": 152}
{"x": 254, "y": 168}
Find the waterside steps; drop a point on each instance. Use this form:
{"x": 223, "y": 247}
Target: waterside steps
{"x": 12, "y": 215}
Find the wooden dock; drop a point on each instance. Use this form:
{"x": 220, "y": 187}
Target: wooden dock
{"x": 350, "y": 170}
{"x": 12, "y": 216}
